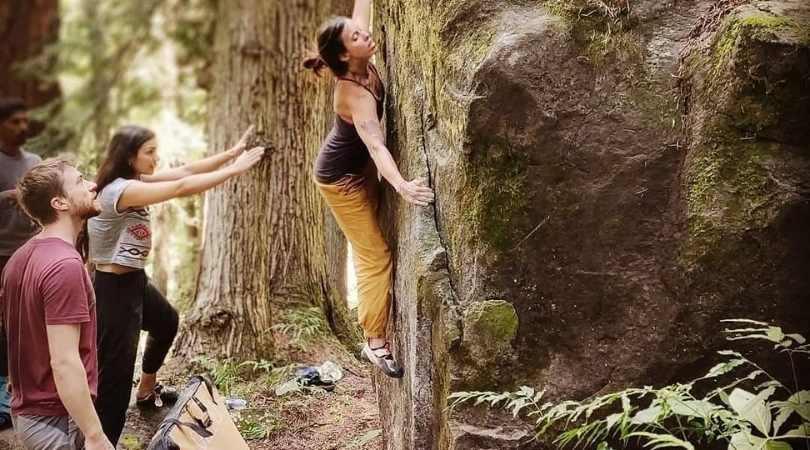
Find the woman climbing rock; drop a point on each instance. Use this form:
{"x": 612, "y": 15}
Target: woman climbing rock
{"x": 119, "y": 244}
{"x": 348, "y": 181}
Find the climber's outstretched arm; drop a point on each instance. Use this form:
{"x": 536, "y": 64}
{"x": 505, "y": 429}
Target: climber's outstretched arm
{"x": 364, "y": 116}
{"x": 362, "y": 14}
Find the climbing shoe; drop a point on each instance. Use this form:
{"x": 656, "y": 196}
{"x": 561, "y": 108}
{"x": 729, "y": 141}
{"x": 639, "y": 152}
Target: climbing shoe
{"x": 382, "y": 358}
{"x": 310, "y": 377}
{"x": 159, "y": 397}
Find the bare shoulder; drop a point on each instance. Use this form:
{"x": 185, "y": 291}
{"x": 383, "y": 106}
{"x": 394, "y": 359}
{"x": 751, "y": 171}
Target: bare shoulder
{"x": 350, "y": 96}
{"x": 346, "y": 89}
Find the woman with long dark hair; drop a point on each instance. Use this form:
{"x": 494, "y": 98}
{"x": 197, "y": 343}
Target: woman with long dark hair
{"x": 119, "y": 244}
{"x": 345, "y": 47}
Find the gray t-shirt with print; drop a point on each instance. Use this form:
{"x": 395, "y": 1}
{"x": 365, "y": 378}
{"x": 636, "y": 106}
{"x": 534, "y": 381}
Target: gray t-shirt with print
{"x": 119, "y": 237}
{"x": 15, "y": 227}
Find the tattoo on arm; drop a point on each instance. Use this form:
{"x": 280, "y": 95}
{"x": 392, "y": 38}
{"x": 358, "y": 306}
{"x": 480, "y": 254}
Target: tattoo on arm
{"x": 373, "y": 130}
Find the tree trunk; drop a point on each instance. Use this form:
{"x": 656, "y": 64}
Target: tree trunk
{"x": 26, "y": 28}
{"x": 266, "y": 235}
{"x": 162, "y": 226}
{"x": 100, "y": 83}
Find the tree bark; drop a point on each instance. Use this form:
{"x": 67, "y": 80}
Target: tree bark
{"x": 26, "y": 28}
{"x": 162, "y": 226}
{"x": 266, "y": 235}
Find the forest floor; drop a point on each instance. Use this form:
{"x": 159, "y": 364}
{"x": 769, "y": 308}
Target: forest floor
{"x": 346, "y": 418}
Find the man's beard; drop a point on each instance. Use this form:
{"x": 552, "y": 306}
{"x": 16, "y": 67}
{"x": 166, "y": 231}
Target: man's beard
{"x": 88, "y": 210}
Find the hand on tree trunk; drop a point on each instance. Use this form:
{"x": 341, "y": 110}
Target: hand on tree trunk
{"x": 240, "y": 146}
{"x": 247, "y": 160}
{"x": 416, "y": 192}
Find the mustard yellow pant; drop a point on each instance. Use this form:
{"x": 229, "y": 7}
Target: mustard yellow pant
{"x": 356, "y": 214}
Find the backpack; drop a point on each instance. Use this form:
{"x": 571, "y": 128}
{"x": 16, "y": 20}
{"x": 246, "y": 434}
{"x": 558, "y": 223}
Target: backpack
{"x": 199, "y": 420}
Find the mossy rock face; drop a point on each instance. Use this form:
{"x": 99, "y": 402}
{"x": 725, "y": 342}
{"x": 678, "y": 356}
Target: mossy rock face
{"x": 490, "y": 328}
{"x": 751, "y": 107}
{"x": 731, "y": 189}
{"x": 747, "y": 169}
{"x": 487, "y": 353}
{"x": 759, "y": 61}
{"x": 501, "y": 195}
{"x": 622, "y": 202}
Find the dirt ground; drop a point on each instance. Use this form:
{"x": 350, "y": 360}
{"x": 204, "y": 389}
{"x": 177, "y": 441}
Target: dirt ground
{"x": 346, "y": 418}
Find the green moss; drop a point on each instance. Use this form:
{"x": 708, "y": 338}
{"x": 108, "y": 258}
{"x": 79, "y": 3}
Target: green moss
{"x": 728, "y": 191}
{"x": 471, "y": 48}
{"x": 759, "y": 25}
{"x": 489, "y": 331}
{"x": 500, "y": 197}
{"x": 747, "y": 90}
{"x": 728, "y": 187}
{"x": 455, "y": 57}
{"x": 492, "y": 324}
{"x": 604, "y": 31}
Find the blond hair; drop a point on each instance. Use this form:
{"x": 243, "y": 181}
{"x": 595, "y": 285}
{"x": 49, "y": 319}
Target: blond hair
{"x": 39, "y": 186}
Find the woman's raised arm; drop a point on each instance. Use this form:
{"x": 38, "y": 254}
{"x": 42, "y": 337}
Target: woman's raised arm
{"x": 139, "y": 194}
{"x": 205, "y": 165}
{"x": 362, "y": 14}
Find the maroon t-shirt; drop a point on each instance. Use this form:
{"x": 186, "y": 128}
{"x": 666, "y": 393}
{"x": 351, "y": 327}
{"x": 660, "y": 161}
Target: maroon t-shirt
{"x": 45, "y": 283}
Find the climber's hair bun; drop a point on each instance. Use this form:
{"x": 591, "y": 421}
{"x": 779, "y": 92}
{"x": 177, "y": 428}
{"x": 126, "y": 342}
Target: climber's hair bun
{"x": 330, "y": 48}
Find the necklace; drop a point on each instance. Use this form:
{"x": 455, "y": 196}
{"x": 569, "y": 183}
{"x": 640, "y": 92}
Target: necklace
{"x": 364, "y": 78}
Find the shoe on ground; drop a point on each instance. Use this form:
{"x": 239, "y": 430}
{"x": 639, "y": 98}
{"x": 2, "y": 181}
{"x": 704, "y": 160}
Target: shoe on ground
{"x": 310, "y": 377}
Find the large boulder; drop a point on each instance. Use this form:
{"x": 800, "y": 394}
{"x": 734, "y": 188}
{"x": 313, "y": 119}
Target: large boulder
{"x": 610, "y": 184}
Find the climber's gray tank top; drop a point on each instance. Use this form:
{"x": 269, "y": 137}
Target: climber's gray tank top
{"x": 343, "y": 152}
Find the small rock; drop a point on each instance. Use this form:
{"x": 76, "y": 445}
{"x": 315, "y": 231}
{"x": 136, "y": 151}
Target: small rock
{"x": 471, "y": 437}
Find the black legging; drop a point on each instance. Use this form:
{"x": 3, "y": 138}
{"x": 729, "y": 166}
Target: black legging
{"x": 125, "y": 305}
